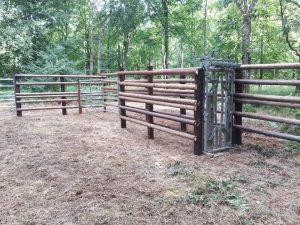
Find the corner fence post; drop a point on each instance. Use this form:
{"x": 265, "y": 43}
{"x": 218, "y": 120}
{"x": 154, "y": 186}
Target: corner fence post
{"x": 238, "y": 107}
{"x": 121, "y": 88}
{"x": 79, "y": 97}
{"x": 17, "y": 88}
{"x": 199, "y": 95}
{"x": 182, "y": 111}
{"x": 149, "y": 106}
{"x": 63, "y": 89}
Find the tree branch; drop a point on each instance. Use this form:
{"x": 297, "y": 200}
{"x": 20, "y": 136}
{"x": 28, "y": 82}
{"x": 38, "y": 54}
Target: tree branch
{"x": 239, "y": 5}
{"x": 295, "y": 3}
{"x": 286, "y": 30}
{"x": 252, "y": 6}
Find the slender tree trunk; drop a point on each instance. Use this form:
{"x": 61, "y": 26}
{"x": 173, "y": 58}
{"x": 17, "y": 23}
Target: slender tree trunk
{"x": 91, "y": 42}
{"x": 181, "y": 54}
{"x": 205, "y": 26}
{"x": 297, "y": 92}
{"x": 165, "y": 25}
{"x": 100, "y": 35}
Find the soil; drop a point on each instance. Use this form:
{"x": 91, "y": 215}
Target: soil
{"x": 85, "y": 169}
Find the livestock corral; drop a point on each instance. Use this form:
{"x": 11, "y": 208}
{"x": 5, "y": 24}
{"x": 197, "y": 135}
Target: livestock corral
{"x": 84, "y": 168}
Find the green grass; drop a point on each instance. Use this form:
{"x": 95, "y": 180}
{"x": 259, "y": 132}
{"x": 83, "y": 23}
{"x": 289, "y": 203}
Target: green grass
{"x": 216, "y": 192}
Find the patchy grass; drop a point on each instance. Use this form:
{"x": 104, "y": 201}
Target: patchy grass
{"x": 216, "y": 192}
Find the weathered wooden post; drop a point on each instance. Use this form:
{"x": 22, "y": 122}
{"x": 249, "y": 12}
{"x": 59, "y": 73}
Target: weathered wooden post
{"x": 199, "y": 95}
{"x": 79, "y": 97}
{"x": 238, "y": 107}
{"x": 149, "y": 107}
{"x": 63, "y": 89}
{"x": 121, "y": 88}
{"x": 17, "y": 88}
{"x": 182, "y": 111}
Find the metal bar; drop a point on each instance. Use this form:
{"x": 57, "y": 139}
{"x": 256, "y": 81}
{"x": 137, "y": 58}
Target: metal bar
{"x": 183, "y": 81}
{"x": 199, "y": 95}
{"x": 79, "y": 97}
{"x": 149, "y": 106}
{"x": 65, "y": 76}
{"x": 268, "y": 118}
{"x": 269, "y": 97}
{"x": 160, "y": 72}
{"x": 122, "y": 101}
{"x": 157, "y": 127}
{"x": 238, "y": 107}
{"x": 268, "y": 82}
{"x": 49, "y": 100}
{"x": 63, "y": 89}
{"x": 259, "y": 102}
{"x": 47, "y": 108}
{"x": 174, "y": 105}
{"x": 17, "y": 91}
{"x": 159, "y": 98}
{"x": 269, "y": 133}
{"x": 270, "y": 66}
{"x": 168, "y": 86}
{"x": 160, "y": 115}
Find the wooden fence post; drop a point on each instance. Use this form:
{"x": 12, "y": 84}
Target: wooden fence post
{"x": 79, "y": 97}
{"x": 63, "y": 89}
{"x": 121, "y": 88}
{"x": 149, "y": 106}
{"x": 199, "y": 95}
{"x": 17, "y": 88}
{"x": 182, "y": 111}
{"x": 238, "y": 107}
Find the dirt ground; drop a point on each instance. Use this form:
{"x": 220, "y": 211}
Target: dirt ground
{"x": 85, "y": 169}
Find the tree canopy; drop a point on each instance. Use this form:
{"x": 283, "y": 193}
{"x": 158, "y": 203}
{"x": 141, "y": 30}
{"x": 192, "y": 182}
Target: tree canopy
{"x": 76, "y": 36}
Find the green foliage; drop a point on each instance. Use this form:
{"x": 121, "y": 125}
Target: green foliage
{"x": 219, "y": 193}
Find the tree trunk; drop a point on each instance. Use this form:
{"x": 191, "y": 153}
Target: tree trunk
{"x": 205, "y": 26}
{"x": 297, "y": 92}
{"x": 91, "y": 42}
{"x": 165, "y": 25}
{"x": 246, "y": 46}
{"x": 100, "y": 35}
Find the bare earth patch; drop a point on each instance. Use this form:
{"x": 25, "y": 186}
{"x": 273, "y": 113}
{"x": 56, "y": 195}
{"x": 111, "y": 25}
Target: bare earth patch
{"x": 85, "y": 169}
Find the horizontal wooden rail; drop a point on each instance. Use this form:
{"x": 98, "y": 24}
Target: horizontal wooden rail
{"x": 159, "y": 98}
{"x": 274, "y": 98}
{"x": 270, "y": 66}
{"x": 271, "y": 103}
{"x": 268, "y": 82}
{"x": 174, "y": 105}
{"x": 269, "y": 133}
{"x": 6, "y": 79}
{"x": 168, "y": 86}
{"x": 159, "y": 115}
{"x": 157, "y": 127}
{"x": 163, "y": 81}
{"x": 268, "y": 118}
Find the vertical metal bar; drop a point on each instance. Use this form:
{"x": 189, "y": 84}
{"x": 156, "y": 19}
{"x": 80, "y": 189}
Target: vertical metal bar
{"x": 238, "y": 107}
{"x": 79, "y": 97}
{"x": 103, "y": 93}
{"x": 63, "y": 89}
{"x": 121, "y": 88}
{"x": 199, "y": 95}
{"x": 149, "y": 107}
{"x": 17, "y": 88}
{"x": 182, "y": 111}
